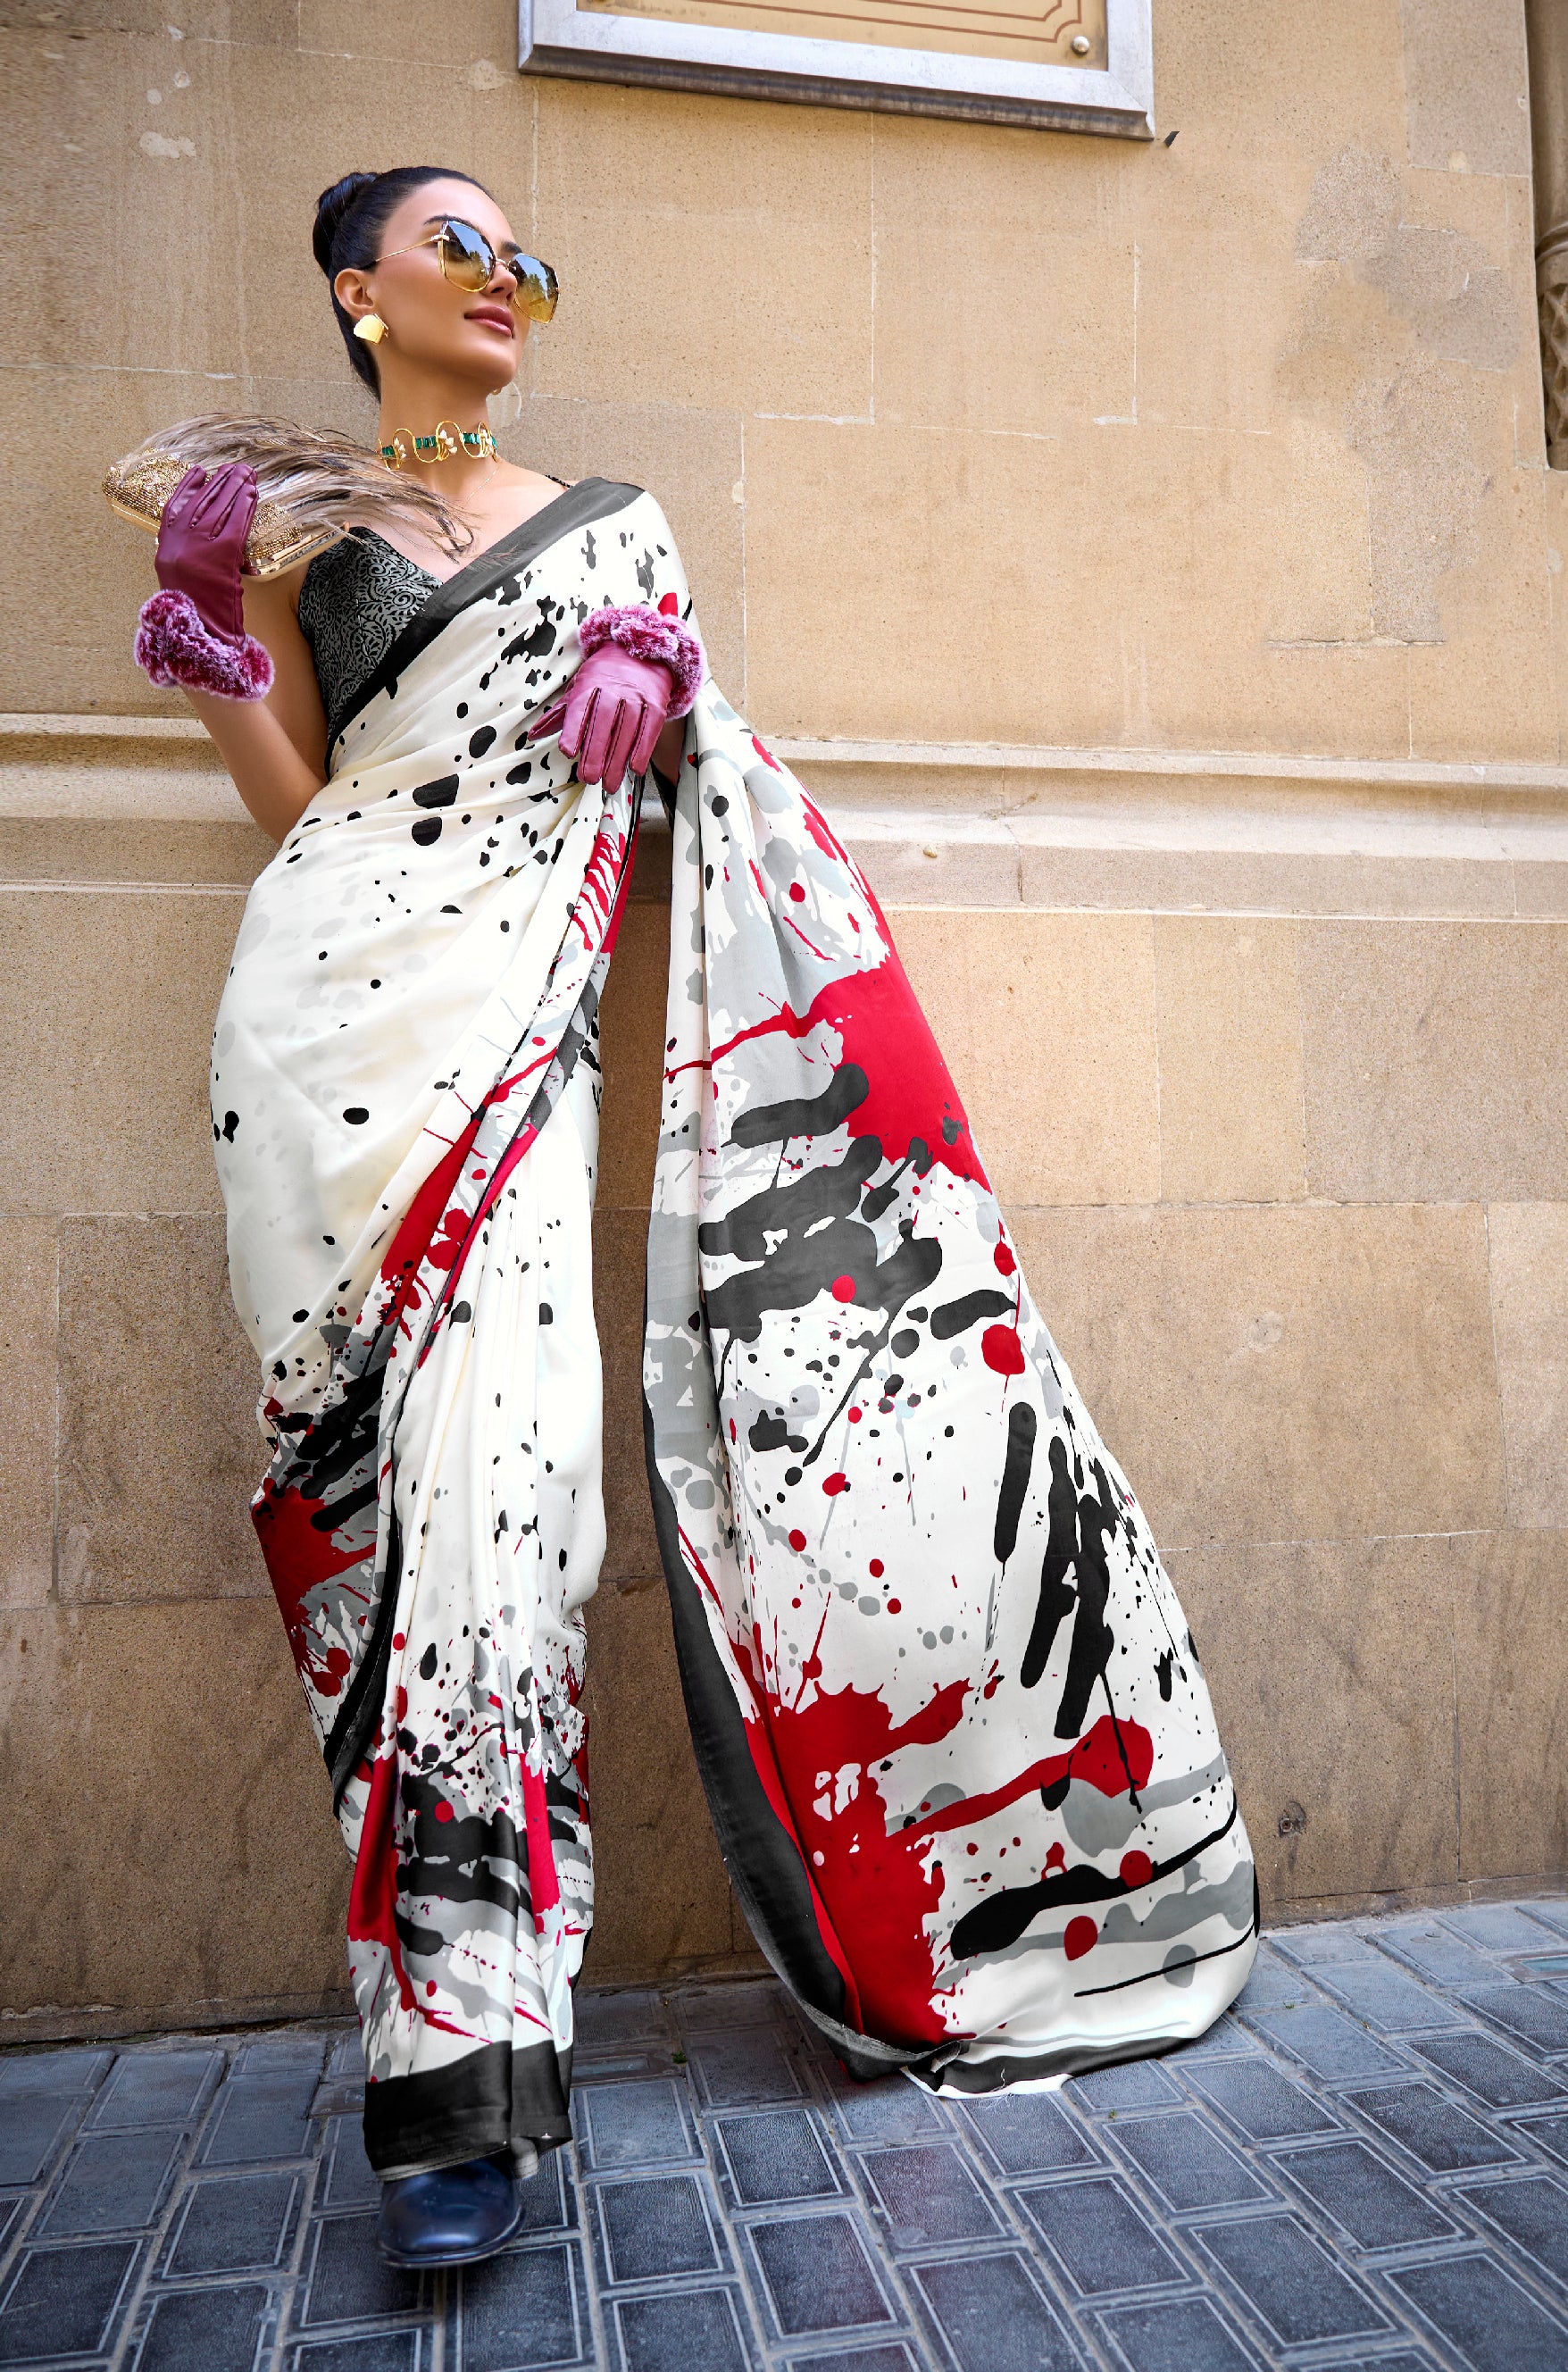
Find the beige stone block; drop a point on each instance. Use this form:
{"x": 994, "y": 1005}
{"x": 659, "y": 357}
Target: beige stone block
{"x": 726, "y": 262}
{"x": 1276, "y": 881}
{"x": 106, "y": 1008}
{"x": 632, "y": 1022}
{"x": 1332, "y": 1667}
{"x": 1229, "y": 1025}
{"x": 1048, "y": 1024}
{"x": 1527, "y": 1244}
{"x": 153, "y": 850}
{"x": 1282, "y": 1374}
{"x": 68, "y": 609}
{"x": 900, "y": 587}
{"x": 978, "y": 225}
{"x": 1216, "y": 294}
{"x": 621, "y": 1244}
{"x": 170, "y": 1835}
{"x": 1319, "y": 590}
{"x": 1485, "y": 688}
{"x": 1512, "y": 1684}
{"x": 1256, "y": 81}
{"x": 920, "y": 860}
{"x": 459, "y": 30}
{"x": 28, "y": 1295}
{"x": 1435, "y": 1059}
{"x": 1466, "y": 87}
{"x": 691, "y": 463}
{"x": 1554, "y": 517}
{"x": 159, "y": 1448}
{"x": 661, "y": 1900}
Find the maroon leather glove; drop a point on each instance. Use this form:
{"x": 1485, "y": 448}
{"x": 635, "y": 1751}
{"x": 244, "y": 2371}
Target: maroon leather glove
{"x": 610, "y": 715}
{"x": 201, "y": 543}
{"x": 193, "y": 632}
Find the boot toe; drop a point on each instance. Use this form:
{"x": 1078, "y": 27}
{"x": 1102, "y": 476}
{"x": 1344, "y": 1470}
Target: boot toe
{"x": 452, "y": 2216}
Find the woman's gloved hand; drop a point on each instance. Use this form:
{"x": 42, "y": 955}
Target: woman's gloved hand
{"x": 192, "y": 633}
{"x": 640, "y": 666}
{"x": 614, "y": 711}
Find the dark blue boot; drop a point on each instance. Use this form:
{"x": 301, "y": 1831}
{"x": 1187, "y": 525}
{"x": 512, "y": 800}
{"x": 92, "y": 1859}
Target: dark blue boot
{"x": 454, "y": 2216}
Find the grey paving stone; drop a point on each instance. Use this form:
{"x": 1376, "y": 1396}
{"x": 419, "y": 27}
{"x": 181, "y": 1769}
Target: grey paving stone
{"x": 929, "y": 2195}
{"x": 995, "y": 2317}
{"x": 1328, "y": 2041}
{"x": 154, "y": 2088}
{"x": 1437, "y": 1953}
{"x": 263, "y": 2110}
{"x": 1263, "y": 2100}
{"x": 1223, "y": 2040}
{"x": 1322, "y": 1943}
{"x": 1493, "y": 2322}
{"x": 348, "y": 2281}
{"x": 1187, "y": 2163}
{"x": 1489, "y": 2069}
{"x": 61, "y": 2301}
{"x": 1361, "y": 2193}
{"x": 693, "y": 2330}
{"x": 1533, "y": 2212}
{"x": 204, "y": 2331}
{"x": 1551, "y": 1914}
{"x": 388, "y": 2351}
{"x": 704, "y": 2009}
{"x": 33, "y": 2127}
{"x": 603, "y": 2019}
{"x": 352, "y": 2180}
{"x": 1535, "y": 2014}
{"x": 1271, "y": 1982}
{"x": 1100, "y": 2238}
{"x": 1291, "y": 2282}
{"x": 1436, "y": 2130}
{"x": 9, "y": 2210}
{"x": 1392, "y": 2003}
{"x": 1548, "y": 2133}
{"x": 1183, "y": 2335}
{"x": 733, "y": 2068}
{"x": 657, "y": 2226}
{"x": 1497, "y": 1926}
{"x": 63, "y": 2075}
{"x": 1141, "y": 2084}
{"x": 522, "y": 2310}
{"x": 1027, "y": 2132}
{"x": 862, "y": 2359}
{"x": 233, "y": 2225}
{"x": 775, "y": 2155}
{"x": 818, "y": 2275}
{"x": 549, "y": 2200}
{"x": 113, "y": 2183}
{"x": 892, "y": 2110}
{"x": 634, "y": 2125}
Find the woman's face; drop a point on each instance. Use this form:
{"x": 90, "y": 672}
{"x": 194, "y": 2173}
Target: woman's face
{"x": 428, "y": 321}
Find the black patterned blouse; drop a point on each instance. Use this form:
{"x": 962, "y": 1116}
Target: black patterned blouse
{"x": 354, "y": 600}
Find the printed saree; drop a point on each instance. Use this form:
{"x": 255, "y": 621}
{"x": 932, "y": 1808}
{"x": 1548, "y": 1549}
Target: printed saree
{"x": 957, "y": 1744}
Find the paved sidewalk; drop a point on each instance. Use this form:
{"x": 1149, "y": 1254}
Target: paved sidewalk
{"x": 1368, "y": 2165}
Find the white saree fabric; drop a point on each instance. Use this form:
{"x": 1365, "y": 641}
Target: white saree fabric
{"x": 954, "y": 1735}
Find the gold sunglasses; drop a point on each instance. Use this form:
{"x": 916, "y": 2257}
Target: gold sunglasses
{"x": 468, "y": 261}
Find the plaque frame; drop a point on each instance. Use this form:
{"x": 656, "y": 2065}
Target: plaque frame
{"x": 554, "y": 37}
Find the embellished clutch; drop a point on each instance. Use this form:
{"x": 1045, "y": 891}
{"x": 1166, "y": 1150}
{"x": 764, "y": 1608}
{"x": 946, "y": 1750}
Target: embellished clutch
{"x": 312, "y": 486}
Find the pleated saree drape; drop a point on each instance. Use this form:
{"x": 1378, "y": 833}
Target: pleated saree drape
{"x": 956, "y": 1740}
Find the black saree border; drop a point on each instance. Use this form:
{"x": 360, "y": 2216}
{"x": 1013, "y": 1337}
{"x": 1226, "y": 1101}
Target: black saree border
{"x": 581, "y": 505}
{"x": 478, "y": 2106}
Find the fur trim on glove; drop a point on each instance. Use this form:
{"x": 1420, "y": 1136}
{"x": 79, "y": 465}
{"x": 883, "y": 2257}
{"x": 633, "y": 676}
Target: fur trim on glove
{"x": 654, "y": 635}
{"x": 175, "y": 645}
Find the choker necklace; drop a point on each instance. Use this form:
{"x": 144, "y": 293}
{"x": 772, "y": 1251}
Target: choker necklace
{"x": 447, "y": 442}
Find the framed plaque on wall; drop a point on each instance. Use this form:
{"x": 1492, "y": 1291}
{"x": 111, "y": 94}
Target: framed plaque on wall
{"x": 1074, "y": 65}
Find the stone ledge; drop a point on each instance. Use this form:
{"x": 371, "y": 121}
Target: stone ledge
{"x": 142, "y": 800}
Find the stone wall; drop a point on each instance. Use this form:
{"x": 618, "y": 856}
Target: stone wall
{"x": 1148, "y": 554}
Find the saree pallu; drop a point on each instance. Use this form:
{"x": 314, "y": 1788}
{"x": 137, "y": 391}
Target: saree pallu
{"x": 954, "y": 1734}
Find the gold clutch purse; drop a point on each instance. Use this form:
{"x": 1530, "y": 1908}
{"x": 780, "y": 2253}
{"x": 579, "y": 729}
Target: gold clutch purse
{"x": 312, "y": 485}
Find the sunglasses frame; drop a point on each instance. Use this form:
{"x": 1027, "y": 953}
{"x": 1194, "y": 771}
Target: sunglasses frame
{"x": 537, "y": 309}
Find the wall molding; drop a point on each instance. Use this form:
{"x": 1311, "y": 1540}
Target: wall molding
{"x": 960, "y": 824}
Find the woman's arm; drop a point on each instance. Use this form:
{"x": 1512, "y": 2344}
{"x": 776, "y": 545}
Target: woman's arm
{"x": 275, "y": 749}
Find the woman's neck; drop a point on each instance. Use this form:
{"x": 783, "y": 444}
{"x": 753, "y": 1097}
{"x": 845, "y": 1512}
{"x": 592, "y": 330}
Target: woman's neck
{"x": 413, "y": 405}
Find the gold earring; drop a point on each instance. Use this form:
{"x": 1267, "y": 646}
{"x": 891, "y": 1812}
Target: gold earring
{"x": 371, "y": 328}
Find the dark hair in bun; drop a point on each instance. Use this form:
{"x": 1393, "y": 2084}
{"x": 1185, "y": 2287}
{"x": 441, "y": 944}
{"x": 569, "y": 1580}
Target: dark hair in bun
{"x": 350, "y": 219}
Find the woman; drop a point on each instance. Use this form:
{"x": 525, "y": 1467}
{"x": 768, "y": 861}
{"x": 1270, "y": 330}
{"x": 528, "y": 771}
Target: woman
{"x": 958, "y": 1748}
